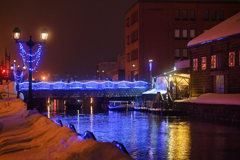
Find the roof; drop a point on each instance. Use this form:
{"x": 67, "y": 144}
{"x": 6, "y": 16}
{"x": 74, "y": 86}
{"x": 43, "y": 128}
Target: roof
{"x": 227, "y": 28}
{"x": 184, "y": 72}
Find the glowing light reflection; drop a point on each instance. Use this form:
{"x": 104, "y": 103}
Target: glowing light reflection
{"x": 179, "y": 141}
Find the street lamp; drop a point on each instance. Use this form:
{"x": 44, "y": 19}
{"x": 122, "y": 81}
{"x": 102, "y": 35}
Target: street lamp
{"x": 30, "y": 44}
{"x": 150, "y": 69}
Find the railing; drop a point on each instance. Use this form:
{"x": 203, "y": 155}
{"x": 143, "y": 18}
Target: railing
{"x": 89, "y": 85}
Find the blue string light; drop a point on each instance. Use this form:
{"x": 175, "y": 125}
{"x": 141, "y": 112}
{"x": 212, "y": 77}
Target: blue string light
{"x": 16, "y": 77}
{"x": 36, "y": 56}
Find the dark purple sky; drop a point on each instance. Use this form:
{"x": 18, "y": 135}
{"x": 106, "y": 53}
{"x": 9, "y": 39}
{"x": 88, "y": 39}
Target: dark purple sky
{"x": 81, "y": 32}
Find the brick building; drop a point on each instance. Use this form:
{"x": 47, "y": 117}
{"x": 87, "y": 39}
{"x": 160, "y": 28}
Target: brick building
{"x": 215, "y": 59}
{"x": 160, "y": 30}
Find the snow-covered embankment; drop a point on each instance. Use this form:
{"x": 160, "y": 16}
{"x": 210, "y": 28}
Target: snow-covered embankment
{"x": 26, "y": 134}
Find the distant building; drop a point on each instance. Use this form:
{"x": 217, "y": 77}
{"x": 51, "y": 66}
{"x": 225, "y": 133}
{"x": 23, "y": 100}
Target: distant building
{"x": 102, "y": 68}
{"x": 215, "y": 59}
{"x": 119, "y": 73}
{"x": 160, "y": 30}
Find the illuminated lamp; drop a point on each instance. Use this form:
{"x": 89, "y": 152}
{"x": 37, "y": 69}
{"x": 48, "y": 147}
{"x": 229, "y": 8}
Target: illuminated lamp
{"x": 44, "y": 34}
{"x": 11, "y": 67}
{"x": 16, "y": 33}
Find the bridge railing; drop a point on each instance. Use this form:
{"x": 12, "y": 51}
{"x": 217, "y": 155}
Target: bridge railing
{"x": 87, "y": 85}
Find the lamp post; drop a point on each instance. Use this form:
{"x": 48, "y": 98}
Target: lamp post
{"x": 30, "y": 44}
{"x": 150, "y": 69}
{"x": 133, "y": 69}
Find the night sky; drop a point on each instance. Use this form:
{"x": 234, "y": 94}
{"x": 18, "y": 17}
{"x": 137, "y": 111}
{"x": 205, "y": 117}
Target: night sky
{"x": 81, "y": 32}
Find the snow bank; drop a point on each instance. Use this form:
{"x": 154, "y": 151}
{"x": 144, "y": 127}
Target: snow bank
{"x": 214, "y": 98}
{"x": 29, "y": 135}
{"x": 11, "y": 89}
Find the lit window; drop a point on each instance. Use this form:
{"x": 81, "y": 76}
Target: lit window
{"x": 177, "y": 33}
{"x": 195, "y": 64}
{"x": 231, "y": 59}
{"x": 192, "y": 33}
{"x": 213, "y": 61}
{"x": 204, "y": 63}
{"x": 184, "y": 32}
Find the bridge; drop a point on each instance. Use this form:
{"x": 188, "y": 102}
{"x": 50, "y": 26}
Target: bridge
{"x": 95, "y": 88}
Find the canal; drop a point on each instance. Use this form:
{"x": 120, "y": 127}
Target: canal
{"x": 150, "y": 136}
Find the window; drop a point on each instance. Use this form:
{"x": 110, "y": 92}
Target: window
{"x": 134, "y": 54}
{"x": 127, "y": 39}
{"x": 195, "y": 64}
{"x": 184, "y": 34}
{"x": 192, "y": 15}
{"x": 184, "y": 15}
{"x": 185, "y": 54}
{"x": 177, "y": 34}
{"x": 221, "y": 15}
{"x": 206, "y": 15}
{"x": 231, "y": 59}
{"x": 177, "y": 15}
{"x": 213, "y": 16}
{"x": 177, "y": 53}
{"x": 134, "y": 17}
{"x": 127, "y": 22}
{"x": 192, "y": 33}
{"x": 128, "y": 57}
{"x": 213, "y": 61}
{"x": 134, "y": 36}
{"x": 204, "y": 63}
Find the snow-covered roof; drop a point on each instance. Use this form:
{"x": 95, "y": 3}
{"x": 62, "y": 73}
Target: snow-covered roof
{"x": 229, "y": 27}
{"x": 214, "y": 98}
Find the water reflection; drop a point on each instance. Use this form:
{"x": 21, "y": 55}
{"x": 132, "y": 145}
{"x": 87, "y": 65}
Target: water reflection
{"x": 149, "y": 136}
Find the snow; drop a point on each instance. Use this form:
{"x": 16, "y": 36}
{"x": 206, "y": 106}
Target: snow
{"x": 214, "y": 98}
{"x": 229, "y": 27}
{"x": 26, "y": 134}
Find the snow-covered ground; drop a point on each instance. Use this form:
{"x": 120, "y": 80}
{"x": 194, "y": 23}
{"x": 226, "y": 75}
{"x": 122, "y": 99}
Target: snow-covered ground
{"x": 214, "y": 98}
{"x": 26, "y": 134}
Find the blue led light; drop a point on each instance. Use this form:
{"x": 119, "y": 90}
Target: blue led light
{"x": 36, "y": 56}
{"x": 85, "y": 85}
{"x": 150, "y": 66}
{"x": 16, "y": 77}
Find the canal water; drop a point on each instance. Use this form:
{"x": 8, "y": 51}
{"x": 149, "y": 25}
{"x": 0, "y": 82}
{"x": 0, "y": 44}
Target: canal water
{"x": 148, "y": 136}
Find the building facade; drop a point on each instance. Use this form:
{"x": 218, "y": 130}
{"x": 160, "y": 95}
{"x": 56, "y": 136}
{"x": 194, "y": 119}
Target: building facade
{"x": 215, "y": 59}
{"x": 102, "y": 68}
{"x": 160, "y": 30}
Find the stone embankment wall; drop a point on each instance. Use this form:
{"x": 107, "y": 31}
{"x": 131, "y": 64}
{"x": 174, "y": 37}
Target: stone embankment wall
{"x": 211, "y": 111}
